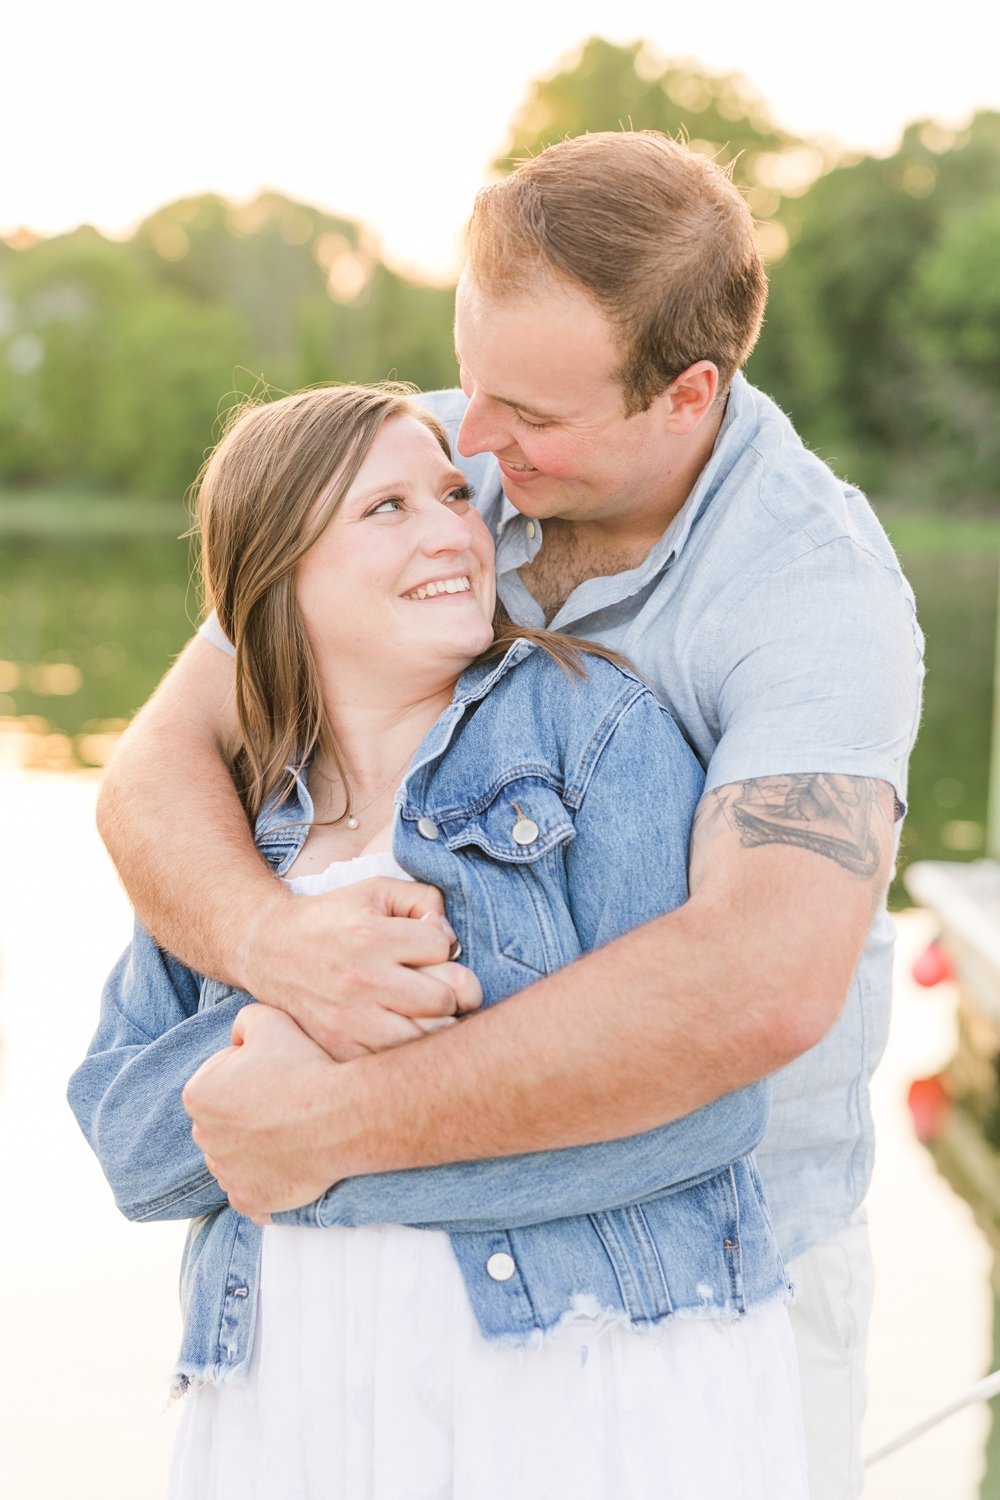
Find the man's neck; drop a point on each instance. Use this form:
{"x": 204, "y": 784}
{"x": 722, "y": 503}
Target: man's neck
{"x": 571, "y": 554}
{"x": 574, "y": 551}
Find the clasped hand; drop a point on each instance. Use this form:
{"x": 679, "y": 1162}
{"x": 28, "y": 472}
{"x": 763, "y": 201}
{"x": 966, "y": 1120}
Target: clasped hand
{"x": 355, "y": 972}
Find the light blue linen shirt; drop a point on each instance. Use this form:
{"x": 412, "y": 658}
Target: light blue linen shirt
{"x": 772, "y": 619}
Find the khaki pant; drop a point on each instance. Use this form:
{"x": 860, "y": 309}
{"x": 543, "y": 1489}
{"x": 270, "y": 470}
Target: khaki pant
{"x": 830, "y": 1323}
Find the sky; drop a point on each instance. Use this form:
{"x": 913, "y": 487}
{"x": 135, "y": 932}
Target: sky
{"x": 111, "y": 108}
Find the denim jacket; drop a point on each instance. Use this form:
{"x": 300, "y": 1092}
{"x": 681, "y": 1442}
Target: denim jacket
{"x": 554, "y": 814}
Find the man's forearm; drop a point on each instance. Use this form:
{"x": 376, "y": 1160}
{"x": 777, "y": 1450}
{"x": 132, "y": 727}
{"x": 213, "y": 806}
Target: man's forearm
{"x": 620, "y": 1042}
{"x": 741, "y": 980}
{"x": 750, "y": 973}
{"x": 176, "y": 831}
{"x": 175, "y": 827}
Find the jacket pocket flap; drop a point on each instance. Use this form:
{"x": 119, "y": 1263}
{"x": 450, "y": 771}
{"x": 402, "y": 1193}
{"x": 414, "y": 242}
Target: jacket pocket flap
{"x": 524, "y": 819}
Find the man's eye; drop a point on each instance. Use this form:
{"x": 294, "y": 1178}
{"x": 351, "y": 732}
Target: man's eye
{"x": 535, "y": 426}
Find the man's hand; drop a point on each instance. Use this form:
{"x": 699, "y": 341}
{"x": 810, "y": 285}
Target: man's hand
{"x": 360, "y": 969}
{"x": 351, "y": 967}
{"x": 253, "y": 1107}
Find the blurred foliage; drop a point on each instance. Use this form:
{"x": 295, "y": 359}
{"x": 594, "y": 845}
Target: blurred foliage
{"x": 608, "y": 87}
{"x": 117, "y": 358}
{"x": 882, "y": 338}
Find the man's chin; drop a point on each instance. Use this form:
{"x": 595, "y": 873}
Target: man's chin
{"x": 528, "y": 498}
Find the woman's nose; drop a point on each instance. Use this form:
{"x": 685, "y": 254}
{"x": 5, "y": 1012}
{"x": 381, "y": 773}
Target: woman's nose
{"x": 447, "y": 529}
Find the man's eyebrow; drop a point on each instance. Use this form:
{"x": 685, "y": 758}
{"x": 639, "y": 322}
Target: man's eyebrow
{"x": 530, "y": 411}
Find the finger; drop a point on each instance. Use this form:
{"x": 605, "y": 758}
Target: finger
{"x": 454, "y": 946}
{"x": 425, "y": 992}
{"x": 460, "y": 982}
{"x": 377, "y": 1029}
{"x": 405, "y": 898}
{"x": 255, "y": 1020}
{"x": 434, "y": 1023}
{"x": 405, "y": 941}
{"x": 214, "y": 1170}
{"x": 243, "y": 1205}
{"x": 191, "y": 1093}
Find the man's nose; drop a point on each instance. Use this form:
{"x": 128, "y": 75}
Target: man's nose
{"x": 481, "y": 429}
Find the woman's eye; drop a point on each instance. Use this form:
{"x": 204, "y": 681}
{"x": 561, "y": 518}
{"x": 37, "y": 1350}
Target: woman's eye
{"x": 386, "y": 507}
{"x": 463, "y": 493}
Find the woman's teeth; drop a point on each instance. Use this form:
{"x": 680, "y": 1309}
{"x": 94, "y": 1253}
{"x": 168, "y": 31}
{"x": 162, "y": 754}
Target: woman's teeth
{"x": 441, "y": 586}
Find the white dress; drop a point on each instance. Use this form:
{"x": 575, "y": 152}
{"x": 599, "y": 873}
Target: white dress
{"x": 370, "y": 1380}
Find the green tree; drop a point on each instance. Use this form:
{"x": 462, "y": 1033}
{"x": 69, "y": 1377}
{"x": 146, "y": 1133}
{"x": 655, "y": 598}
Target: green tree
{"x": 311, "y": 291}
{"x": 106, "y": 378}
{"x": 610, "y": 87}
{"x": 864, "y": 314}
{"x": 953, "y": 310}
{"x": 117, "y": 358}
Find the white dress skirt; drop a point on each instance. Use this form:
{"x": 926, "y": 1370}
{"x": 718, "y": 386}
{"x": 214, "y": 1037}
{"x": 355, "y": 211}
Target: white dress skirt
{"x": 369, "y": 1380}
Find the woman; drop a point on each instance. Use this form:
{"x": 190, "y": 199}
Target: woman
{"x": 600, "y": 1321}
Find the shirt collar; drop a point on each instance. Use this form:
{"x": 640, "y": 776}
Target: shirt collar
{"x": 730, "y": 442}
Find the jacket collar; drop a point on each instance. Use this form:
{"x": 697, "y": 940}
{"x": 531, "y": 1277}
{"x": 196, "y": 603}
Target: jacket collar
{"x": 282, "y": 826}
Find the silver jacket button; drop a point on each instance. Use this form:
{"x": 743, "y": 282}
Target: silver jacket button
{"x": 427, "y": 828}
{"x": 500, "y": 1266}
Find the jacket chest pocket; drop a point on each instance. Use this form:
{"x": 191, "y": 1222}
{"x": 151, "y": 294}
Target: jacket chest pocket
{"x": 510, "y": 850}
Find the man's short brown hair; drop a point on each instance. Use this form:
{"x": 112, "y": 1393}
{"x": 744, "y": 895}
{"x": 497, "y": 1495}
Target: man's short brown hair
{"x": 656, "y": 234}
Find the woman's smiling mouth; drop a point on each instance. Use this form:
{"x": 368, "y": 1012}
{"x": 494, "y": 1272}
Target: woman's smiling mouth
{"x": 440, "y": 586}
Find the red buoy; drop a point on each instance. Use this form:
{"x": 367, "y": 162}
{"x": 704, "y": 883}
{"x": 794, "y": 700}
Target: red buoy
{"x": 929, "y": 1103}
{"x": 932, "y": 966}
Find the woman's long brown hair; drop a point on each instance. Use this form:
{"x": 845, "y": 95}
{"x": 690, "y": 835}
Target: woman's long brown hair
{"x": 264, "y": 496}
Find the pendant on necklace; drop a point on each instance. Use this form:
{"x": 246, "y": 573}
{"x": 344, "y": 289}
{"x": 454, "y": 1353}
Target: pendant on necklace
{"x": 352, "y": 822}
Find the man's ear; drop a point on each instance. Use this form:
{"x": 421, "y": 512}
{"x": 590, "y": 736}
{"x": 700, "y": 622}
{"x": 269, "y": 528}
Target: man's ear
{"x": 688, "y": 399}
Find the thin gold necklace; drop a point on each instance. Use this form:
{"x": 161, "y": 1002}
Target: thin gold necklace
{"x": 351, "y": 820}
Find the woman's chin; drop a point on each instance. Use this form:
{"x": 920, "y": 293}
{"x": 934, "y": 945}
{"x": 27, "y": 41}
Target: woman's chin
{"x": 456, "y": 641}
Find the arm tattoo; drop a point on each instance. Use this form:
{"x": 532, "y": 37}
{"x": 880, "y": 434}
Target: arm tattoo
{"x": 843, "y": 818}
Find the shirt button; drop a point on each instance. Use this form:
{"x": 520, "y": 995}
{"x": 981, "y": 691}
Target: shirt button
{"x": 427, "y": 828}
{"x": 530, "y": 529}
{"x": 500, "y": 1266}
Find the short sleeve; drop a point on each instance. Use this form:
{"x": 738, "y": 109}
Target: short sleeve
{"x": 822, "y": 671}
{"x": 210, "y": 630}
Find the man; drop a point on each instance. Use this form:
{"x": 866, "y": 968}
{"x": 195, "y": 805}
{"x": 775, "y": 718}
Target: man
{"x": 643, "y": 495}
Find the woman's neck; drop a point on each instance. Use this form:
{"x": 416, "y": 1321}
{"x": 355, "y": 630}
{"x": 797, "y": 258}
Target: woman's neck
{"x": 376, "y": 740}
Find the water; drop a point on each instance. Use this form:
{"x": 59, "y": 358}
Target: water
{"x": 88, "y": 1301}
{"x": 89, "y": 622}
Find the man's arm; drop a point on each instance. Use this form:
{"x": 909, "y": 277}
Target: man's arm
{"x": 787, "y": 874}
{"x": 176, "y": 830}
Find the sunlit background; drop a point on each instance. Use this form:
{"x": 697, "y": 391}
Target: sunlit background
{"x": 198, "y": 199}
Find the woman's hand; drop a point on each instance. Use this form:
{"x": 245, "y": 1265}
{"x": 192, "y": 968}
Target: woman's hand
{"x": 360, "y": 969}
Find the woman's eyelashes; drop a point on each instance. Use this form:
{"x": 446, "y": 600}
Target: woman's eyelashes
{"x": 462, "y": 494}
